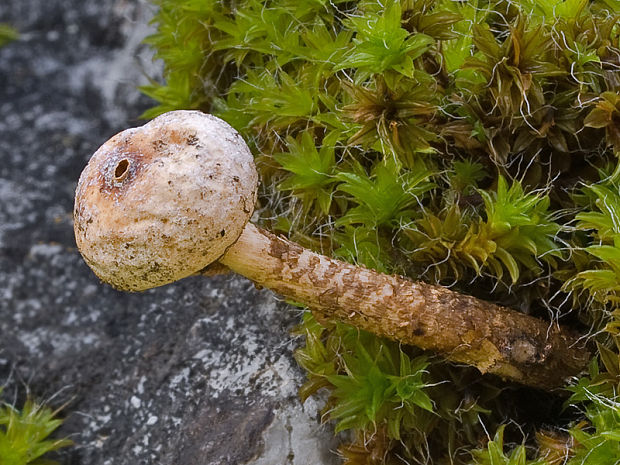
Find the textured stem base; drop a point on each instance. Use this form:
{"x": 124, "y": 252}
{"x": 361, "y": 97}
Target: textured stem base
{"x": 462, "y": 328}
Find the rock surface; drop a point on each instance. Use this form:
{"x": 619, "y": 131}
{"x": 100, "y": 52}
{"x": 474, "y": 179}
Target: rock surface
{"x": 199, "y": 372}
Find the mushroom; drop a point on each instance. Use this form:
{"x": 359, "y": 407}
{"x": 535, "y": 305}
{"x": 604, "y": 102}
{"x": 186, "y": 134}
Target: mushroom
{"x": 158, "y": 203}
{"x": 163, "y": 201}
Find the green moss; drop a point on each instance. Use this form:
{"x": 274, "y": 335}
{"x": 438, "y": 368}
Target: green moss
{"x": 494, "y": 453}
{"x": 7, "y": 34}
{"x": 456, "y": 142}
{"x": 24, "y": 434}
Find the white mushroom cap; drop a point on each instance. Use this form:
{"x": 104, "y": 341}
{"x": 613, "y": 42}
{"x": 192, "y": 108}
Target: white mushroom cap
{"x": 161, "y": 202}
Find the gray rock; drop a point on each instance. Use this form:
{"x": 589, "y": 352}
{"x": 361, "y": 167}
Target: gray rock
{"x": 200, "y": 372}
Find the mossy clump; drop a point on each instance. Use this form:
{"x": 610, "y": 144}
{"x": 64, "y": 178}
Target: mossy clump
{"x": 7, "y": 34}
{"x": 472, "y": 144}
{"x": 24, "y": 434}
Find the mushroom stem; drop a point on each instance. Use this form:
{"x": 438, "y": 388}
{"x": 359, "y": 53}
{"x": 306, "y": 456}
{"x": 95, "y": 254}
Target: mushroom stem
{"x": 462, "y": 328}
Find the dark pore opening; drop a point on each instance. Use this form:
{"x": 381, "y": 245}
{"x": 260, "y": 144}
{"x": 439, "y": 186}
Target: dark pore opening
{"x": 121, "y": 170}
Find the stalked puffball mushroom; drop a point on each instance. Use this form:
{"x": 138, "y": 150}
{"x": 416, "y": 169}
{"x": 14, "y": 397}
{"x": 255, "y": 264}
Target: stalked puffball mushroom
{"x": 161, "y": 202}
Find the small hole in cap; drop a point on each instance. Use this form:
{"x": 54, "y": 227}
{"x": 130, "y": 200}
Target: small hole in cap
{"x": 121, "y": 170}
